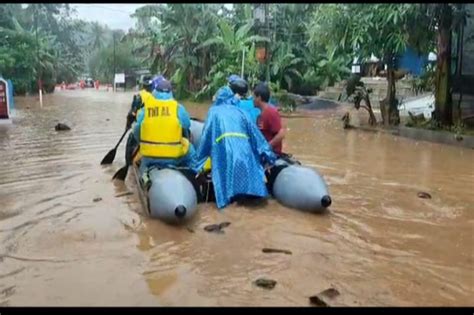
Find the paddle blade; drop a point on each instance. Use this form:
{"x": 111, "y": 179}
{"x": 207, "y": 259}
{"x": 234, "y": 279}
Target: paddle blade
{"x": 109, "y": 158}
{"x": 197, "y": 119}
{"x": 121, "y": 173}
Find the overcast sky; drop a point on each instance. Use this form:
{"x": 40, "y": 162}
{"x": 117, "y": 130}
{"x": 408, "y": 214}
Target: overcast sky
{"x": 114, "y": 15}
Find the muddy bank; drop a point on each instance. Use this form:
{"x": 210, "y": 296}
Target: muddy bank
{"x": 418, "y": 134}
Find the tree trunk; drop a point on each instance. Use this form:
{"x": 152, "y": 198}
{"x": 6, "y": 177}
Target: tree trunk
{"x": 205, "y": 68}
{"x": 388, "y": 106}
{"x": 368, "y": 107}
{"x": 443, "y": 103}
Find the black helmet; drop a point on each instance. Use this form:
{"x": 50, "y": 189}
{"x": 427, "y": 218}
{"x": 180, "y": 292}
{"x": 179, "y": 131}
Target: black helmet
{"x": 239, "y": 86}
{"x": 147, "y": 81}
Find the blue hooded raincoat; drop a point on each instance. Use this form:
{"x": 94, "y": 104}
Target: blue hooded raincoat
{"x": 237, "y": 150}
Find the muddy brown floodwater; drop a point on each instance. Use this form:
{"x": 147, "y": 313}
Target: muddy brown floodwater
{"x": 378, "y": 245}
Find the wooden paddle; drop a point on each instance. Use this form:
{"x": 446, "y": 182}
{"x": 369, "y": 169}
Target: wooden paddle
{"x": 109, "y": 158}
{"x": 121, "y": 174}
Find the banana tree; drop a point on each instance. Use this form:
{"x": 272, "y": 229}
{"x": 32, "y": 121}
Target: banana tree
{"x": 285, "y": 67}
{"x": 332, "y": 68}
{"x": 229, "y": 47}
{"x": 183, "y": 27}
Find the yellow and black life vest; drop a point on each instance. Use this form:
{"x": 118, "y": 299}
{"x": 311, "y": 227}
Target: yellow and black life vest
{"x": 144, "y": 95}
{"x": 161, "y": 134}
{"x": 208, "y": 165}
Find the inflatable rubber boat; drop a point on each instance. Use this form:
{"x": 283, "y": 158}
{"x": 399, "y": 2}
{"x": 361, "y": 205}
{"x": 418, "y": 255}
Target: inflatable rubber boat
{"x": 290, "y": 183}
{"x": 196, "y": 131}
{"x": 167, "y": 194}
{"x": 297, "y": 186}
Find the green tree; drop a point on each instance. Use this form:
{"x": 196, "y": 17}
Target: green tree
{"x": 442, "y": 20}
{"x": 170, "y": 33}
{"x": 231, "y": 46}
{"x": 98, "y": 33}
{"x": 39, "y": 41}
{"x": 101, "y": 62}
{"x": 379, "y": 29}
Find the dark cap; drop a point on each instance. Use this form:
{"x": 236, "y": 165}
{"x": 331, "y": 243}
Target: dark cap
{"x": 163, "y": 86}
{"x": 239, "y": 86}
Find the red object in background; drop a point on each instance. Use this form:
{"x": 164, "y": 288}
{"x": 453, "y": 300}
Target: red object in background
{"x": 97, "y": 84}
{"x": 82, "y": 84}
{"x": 261, "y": 54}
{"x": 3, "y": 101}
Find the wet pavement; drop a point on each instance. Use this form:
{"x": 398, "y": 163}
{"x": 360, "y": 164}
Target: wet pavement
{"x": 379, "y": 245}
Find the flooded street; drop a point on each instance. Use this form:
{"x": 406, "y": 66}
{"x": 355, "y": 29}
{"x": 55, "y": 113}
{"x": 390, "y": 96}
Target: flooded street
{"x": 379, "y": 245}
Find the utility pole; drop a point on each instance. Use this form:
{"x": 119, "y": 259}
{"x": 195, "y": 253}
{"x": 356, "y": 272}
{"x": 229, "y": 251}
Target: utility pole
{"x": 113, "y": 80}
{"x": 38, "y": 68}
{"x": 243, "y": 63}
{"x": 267, "y": 46}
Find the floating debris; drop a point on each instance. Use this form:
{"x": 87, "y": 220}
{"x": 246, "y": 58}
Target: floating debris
{"x": 127, "y": 193}
{"x": 346, "y": 119}
{"x": 97, "y": 199}
{"x": 7, "y": 292}
{"x": 213, "y": 228}
{"x": 316, "y": 300}
{"x": 330, "y": 293}
{"x": 265, "y": 283}
{"x": 224, "y": 225}
{"x": 61, "y": 127}
{"x": 275, "y": 250}
{"x": 424, "y": 195}
{"x": 319, "y": 299}
{"x": 216, "y": 228}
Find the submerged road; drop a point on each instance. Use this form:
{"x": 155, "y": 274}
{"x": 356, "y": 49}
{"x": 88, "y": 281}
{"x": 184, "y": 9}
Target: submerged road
{"x": 379, "y": 244}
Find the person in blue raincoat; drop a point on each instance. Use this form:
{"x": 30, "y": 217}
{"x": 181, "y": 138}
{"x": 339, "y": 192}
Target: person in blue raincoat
{"x": 246, "y": 104}
{"x": 236, "y": 147}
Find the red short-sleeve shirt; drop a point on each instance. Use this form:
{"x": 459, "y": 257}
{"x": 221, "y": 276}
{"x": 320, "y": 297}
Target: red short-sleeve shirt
{"x": 269, "y": 122}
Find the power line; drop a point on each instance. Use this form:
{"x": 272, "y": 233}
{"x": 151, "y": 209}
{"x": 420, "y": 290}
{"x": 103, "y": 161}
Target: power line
{"x": 107, "y": 8}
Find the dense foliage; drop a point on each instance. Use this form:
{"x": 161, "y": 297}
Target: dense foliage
{"x": 199, "y": 45}
{"x": 307, "y": 47}
{"x": 39, "y": 41}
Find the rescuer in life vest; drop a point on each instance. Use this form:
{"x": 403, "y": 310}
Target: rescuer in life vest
{"x": 137, "y": 103}
{"x": 161, "y": 128}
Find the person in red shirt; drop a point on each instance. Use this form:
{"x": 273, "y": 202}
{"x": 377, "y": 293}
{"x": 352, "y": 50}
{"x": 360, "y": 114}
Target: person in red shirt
{"x": 269, "y": 121}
